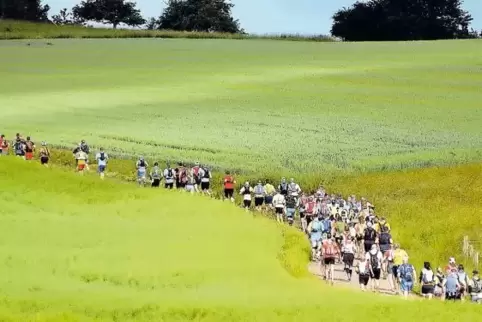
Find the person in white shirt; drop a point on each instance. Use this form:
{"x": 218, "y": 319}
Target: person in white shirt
{"x": 363, "y": 270}
{"x": 293, "y": 188}
{"x": 279, "y": 203}
{"x": 205, "y": 175}
{"x": 102, "y": 158}
{"x": 169, "y": 177}
{"x": 375, "y": 258}
{"x": 246, "y": 191}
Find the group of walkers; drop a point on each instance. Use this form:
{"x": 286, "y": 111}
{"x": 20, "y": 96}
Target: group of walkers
{"x": 346, "y": 231}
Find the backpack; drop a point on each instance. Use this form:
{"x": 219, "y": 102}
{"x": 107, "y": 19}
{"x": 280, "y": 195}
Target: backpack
{"x": 206, "y": 174}
{"x": 142, "y": 163}
{"x": 374, "y": 260}
{"x": 290, "y": 202}
{"x": 182, "y": 176}
{"x": 477, "y": 287}
{"x": 259, "y": 190}
{"x": 462, "y": 276}
{"x": 84, "y": 147}
{"x": 284, "y": 187}
{"x": 155, "y": 173}
{"x": 29, "y": 145}
{"x": 102, "y": 156}
{"x": 406, "y": 272}
{"x": 370, "y": 234}
{"x": 326, "y": 225}
{"x": 195, "y": 171}
{"x": 330, "y": 250}
{"x": 385, "y": 238}
{"x": 169, "y": 173}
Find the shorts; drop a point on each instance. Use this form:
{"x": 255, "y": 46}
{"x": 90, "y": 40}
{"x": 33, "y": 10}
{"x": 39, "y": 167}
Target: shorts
{"x": 44, "y": 160}
{"x": 368, "y": 246}
{"x": 169, "y": 185}
{"x": 5, "y": 152}
{"x": 268, "y": 200}
{"x": 363, "y": 279}
{"x": 247, "y": 203}
{"x": 395, "y": 270}
{"x": 101, "y": 168}
{"x": 428, "y": 289}
{"x": 338, "y": 239}
{"x": 228, "y": 193}
{"x": 181, "y": 185}
{"x": 279, "y": 210}
{"x": 197, "y": 181}
{"x": 28, "y": 155}
{"x": 258, "y": 201}
{"x": 376, "y": 273}
{"x": 141, "y": 174}
{"x": 406, "y": 286}
{"x": 390, "y": 267}
{"x": 205, "y": 185}
{"x": 156, "y": 183}
{"x": 81, "y": 167}
{"x": 329, "y": 261}
{"x": 302, "y": 214}
{"x": 315, "y": 243}
{"x": 348, "y": 259}
{"x": 452, "y": 296}
{"x": 290, "y": 212}
{"x": 359, "y": 238}
{"x": 190, "y": 188}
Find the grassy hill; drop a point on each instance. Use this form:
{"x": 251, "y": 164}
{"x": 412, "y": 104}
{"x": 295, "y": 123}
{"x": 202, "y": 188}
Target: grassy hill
{"x": 79, "y": 249}
{"x": 256, "y": 106}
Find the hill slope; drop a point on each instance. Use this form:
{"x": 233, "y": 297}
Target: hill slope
{"x": 77, "y": 249}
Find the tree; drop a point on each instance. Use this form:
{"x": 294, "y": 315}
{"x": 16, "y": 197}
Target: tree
{"x": 64, "y": 17}
{"x": 113, "y": 12}
{"x": 31, "y": 10}
{"x": 199, "y": 15}
{"x": 402, "y": 20}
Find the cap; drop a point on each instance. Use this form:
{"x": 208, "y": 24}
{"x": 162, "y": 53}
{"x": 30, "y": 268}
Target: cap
{"x": 452, "y": 260}
{"x": 475, "y": 272}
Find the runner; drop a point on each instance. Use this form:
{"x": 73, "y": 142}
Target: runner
{"x": 270, "y": 191}
{"x": 182, "y": 174}
{"x": 310, "y": 210}
{"x": 84, "y": 147}
{"x": 44, "y": 154}
{"x": 338, "y": 231}
{"x": 348, "y": 251}
{"x": 302, "y": 209}
{"x": 329, "y": 252}
{"x": 439, "y": 281}
{"x": 141, "y": 167}
{"x": 291, "y": 204}
{"x": 360, "y": 233}
{"x": 463, "y": 281}
{"x": 375, "y": 258}
{"x": 102, "y": 158}
{"x": 155, "y": 176}
{"x": 427, "y": 281}
{"x": 279, "y": 203}
{"x": 363, "y": 271}
{"x": 229, "y": 183}
{"x": 259, "y": 194}
{"x": 29, "y": 149}
{"x": 246, "y": 192}
{"x": 293, "y": 188}
{"x": 81, "y": 158}
{"x": 196, "y": 174}
{"x": 388, "y": 264}
{"x": 283, "y": 187}
{"x": 452, "y": 287}
{"x": 19, "y": 146}
{"x": 169, "y": 177}
{"x": 407, "y": 277}
{"x": 205, "y": 180}
{"x": 3, "y": 145}
{"x": 190, "y": 182}
{"x": 398, "y": 256}
{"x": 475, "y": 288}
{"x": 385, "y": 242}
{"x": 451, "y": 267}
{"x": 370, "y": 237}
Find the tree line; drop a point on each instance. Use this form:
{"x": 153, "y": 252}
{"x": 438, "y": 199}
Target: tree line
{"x": 373, "y": 20}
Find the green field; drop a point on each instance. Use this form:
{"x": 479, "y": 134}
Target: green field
{"x": 78, "y": 249}
{"x": 251, "y": 105}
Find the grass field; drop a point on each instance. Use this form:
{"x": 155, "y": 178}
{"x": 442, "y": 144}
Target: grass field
{"x": 251, "y": 105}
{"x": 78, "y": 249}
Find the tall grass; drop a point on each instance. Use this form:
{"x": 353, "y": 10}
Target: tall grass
{"x": 11, "y": 29}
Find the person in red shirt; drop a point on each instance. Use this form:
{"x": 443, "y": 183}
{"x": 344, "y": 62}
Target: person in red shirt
{"x": 329, "y": 252}
{"x": 229, "y": 183}
{"x": 29, "y": 149}
{"x": 3, "y": 145}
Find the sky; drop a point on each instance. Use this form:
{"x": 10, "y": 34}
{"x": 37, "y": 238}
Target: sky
{"x": 275, "y": 16}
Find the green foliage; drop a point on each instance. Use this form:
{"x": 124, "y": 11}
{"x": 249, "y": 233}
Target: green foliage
{"x": 114, "y": 12}
{"x": 31, "y": 10}
{"x": 64, "y": 17}
{"x": 402, "y": 20}
{"x": 23, "y": 30}
{"x": 199, "y": 15}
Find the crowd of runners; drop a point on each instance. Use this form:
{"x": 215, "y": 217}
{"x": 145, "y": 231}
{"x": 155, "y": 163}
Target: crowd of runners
{"x": 340, "y": 230}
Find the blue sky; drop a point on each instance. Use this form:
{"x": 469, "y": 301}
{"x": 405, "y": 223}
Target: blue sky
{"x": 276, "y": 16}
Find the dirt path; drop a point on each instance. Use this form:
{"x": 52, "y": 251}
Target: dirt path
{"x": 341, "y": 279}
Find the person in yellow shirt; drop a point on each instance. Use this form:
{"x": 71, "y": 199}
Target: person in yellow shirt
{"x": 380, "y": 224}
{"x": 270, "y": 192}
{"x": 398, "y": 255}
